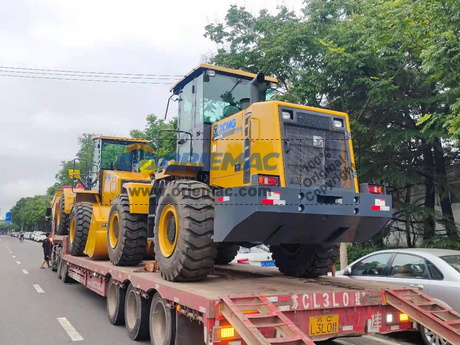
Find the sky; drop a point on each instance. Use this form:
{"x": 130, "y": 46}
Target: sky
{"x": 41, "y": 120}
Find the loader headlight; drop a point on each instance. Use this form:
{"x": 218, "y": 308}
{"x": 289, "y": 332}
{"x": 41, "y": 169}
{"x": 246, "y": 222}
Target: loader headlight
{"x": 338, "y": 123}
{"x": 287, "y": 115}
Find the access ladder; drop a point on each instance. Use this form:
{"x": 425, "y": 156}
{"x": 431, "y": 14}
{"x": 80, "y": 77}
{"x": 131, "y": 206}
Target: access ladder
{"x": 426, "y": 311}
{"x": 248, "y": 315}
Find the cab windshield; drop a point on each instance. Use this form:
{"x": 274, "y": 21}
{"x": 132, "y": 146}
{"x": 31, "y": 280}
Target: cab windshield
{"x": 123, "y": 155}
{"x": 225, "y": 95}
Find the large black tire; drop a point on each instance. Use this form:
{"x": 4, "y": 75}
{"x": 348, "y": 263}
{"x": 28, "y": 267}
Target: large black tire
{"x": 63, "y": 223}
{"x": 115, "y": 303}
{"x": 137, "y": 311}
{"x": 58, "y": 263}
{"x": 162, "y": 322}
{"x": 190, "y": 235}
{"x": 54, "y": 258}
{"x": 304, "y": 260}
{"x": 64, "y": 272}
{"x": 226, "y": 252}
{"x": 80, "y": 222}
{"x": 127, "y": 233}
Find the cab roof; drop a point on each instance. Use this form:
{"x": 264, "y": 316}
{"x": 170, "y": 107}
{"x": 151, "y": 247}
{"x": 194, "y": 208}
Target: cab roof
{"x": 223, "y": 70}
{"x": 120, "y": 139}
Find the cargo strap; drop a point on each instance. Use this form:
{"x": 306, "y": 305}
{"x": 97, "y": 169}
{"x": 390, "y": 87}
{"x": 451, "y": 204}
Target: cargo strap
{"x": 426, "y": 311}
{"x": 248, "y": 315}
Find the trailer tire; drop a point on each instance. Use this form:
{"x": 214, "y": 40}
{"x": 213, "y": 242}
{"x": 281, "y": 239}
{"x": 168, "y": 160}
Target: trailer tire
{"x": 54, "y": 258}
{"x": 137, "y": 311}
{"x": 65, "y": 273}
{"x": 58, "y": 264}
{"x": 63, "y": 219}
{"x": 304, "y": 260}
{"x": 80, "y": 222}
{"x": 162, "y": 322}
{"x": 127, "y": 234}
{"x": 226, "y": 252}
{"x": 184, "y": 227}
{"x": 115, "y": 303}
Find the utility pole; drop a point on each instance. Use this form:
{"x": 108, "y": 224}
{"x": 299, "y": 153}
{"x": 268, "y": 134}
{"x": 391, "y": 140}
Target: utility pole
{"x": 343, "y": 255}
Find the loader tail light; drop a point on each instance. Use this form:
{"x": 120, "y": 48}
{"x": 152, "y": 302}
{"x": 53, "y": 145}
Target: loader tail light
{"x": 403, "y": 317}
{"x": 227, "y": 332}
{"x": 375, "y": 189}
{"x": 268, "y": 180}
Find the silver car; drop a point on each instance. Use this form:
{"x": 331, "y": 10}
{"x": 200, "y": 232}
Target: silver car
{"x": 436, "y": 272}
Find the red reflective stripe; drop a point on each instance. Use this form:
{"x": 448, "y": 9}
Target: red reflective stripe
{"x": 220, "y": 199}
{"x": 375, "y": 208}
{"x": 268, "y": 202}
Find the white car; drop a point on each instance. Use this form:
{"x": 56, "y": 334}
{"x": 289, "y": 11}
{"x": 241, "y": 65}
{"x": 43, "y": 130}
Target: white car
{"x": 435, "y": 272}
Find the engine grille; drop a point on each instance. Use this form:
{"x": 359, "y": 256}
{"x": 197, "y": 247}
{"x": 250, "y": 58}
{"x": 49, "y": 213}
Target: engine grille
{"x": 314, "y": 154}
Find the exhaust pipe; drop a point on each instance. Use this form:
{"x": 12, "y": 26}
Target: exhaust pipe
{"x": 254, "y": 88}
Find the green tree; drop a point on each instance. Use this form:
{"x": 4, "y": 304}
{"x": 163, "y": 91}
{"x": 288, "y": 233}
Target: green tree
{"x": 168, "y": 140}
{"x": 363, "y": 58}
{"x": 29, "y": 213}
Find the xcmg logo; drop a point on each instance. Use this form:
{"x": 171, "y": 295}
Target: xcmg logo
{"x": 227, "y": 128}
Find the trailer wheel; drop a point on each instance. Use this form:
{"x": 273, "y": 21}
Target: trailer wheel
{"x": 304, "y": 260}
{"x": 136, "y": 314}
{"x": 80, "y": 222}
{"x": 226, "y": 252}
{"x": 184, "y": 226}
{"x": 62, "y": 219}
{"x": 162, "y": 322}
{"x": 127, "y": 234}
{"x": 65, "y": 273}
{"x": 54, "y": 258}
{"x": 58, "y": 263}
{"x": 115, "y": 303}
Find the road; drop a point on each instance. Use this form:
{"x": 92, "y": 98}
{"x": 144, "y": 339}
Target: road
{"x": 37, "y": 308}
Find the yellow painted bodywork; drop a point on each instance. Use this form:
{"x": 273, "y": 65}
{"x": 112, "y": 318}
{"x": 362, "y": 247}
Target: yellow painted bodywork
{"x": 265, "y": 139}
{"x": 96, "y": 245}
{"x": 111, "y": 184}
{"x": 138, "y": 194}
{"x": 69, "y": 196}
{"x": 120, "y": 139}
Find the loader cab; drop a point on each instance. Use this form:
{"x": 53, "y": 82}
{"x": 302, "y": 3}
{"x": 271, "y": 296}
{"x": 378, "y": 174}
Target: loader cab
{"x": 117, "y": 154}
{"x": 209, "y": 94}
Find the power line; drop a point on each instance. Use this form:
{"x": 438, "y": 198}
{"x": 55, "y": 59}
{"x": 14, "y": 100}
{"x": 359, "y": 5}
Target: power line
{"x": 93, "y": 76}
{"x": 92, "y": 72}
{"x": 90, "y": 80}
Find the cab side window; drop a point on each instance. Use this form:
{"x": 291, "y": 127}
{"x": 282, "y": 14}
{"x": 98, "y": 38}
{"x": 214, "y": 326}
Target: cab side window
{"x": 371, "y": 266}
{"x": 409, "y": 266}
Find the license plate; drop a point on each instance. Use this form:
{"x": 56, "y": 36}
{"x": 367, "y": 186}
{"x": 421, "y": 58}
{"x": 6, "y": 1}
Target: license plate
{"x": 324, "y": 324}
{"x": 267, "y": 264}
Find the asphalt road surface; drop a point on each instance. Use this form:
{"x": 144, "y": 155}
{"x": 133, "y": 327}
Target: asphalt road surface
{"x": 36, "y": 308}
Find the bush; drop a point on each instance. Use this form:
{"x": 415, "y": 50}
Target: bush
{"x": 440, "y": 243}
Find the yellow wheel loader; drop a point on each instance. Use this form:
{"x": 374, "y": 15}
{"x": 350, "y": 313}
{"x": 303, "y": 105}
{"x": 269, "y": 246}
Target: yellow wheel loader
{"x": 249, "y": 170}
{"x": 104, "y": 221}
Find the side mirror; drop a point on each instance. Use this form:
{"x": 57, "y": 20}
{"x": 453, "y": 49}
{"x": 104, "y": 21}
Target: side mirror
{"x": 74, "y": 174}
{"x": 347, "y": 271}
{"x": 48, "y": 214}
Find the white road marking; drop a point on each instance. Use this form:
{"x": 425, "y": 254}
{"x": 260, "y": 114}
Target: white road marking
{"x": 380, "y": 340}
{"x": 14, "y": 256}
{"x": 18, "y": 262}
{"x": 25, "y": 272}
{"x": 38, "y": 288}
{"x": 71, "y": 331}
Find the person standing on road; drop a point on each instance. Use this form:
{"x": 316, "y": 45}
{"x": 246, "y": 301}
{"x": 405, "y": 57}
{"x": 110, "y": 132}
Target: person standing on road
{"x": 46, "y": 251}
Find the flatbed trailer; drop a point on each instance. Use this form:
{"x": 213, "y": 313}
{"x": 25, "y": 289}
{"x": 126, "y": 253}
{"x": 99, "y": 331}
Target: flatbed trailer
{"x": 242, "y": 304}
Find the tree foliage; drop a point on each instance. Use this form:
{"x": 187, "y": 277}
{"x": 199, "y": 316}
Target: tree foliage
{"x": 28, "y": 213}
{"x": 376, "y": 60}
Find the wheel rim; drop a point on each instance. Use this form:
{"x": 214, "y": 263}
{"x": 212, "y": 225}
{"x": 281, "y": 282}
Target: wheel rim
{"x": 434, "y": 338}
{"x": 112, "y": 299}
{"x": 158, "y": 323}
{"x": 131, "y": 315}
{"x": 114, "y": 229}
{"x": 73, "y": 224}
{"x": 168, "y": 230}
